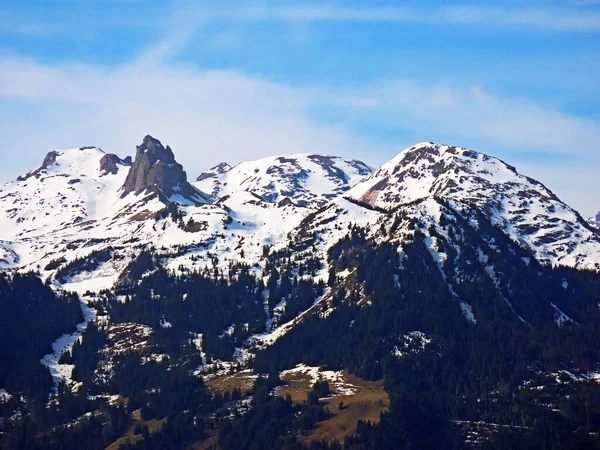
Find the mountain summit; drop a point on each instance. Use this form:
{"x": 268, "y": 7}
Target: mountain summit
{"x": 87, "y": 204}
{"x": 472, "y": 182}
{"x": 155, "y": 169}
{"x": 307, "y": 180}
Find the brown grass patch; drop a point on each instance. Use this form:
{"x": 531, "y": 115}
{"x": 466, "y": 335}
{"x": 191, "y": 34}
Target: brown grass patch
{"x": 153, "y": 426}
{"x": 366, "y": 404}
{"x": 243, "y": 381}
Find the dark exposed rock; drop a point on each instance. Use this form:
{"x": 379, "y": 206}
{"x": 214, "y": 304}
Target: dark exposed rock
{"x": 156, "y": 170}
{"x": 285, "y": 202}
{"x": 109, "y": 162}
{"x": 48, "y": 161}
{"x": 204, "y": 176}
{"x": 219, "y": 169}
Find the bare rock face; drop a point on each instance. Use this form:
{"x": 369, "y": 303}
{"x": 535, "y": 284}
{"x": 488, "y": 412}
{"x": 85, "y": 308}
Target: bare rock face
{"x": 155, "y": 169}
{"x": 48, "y": 161}
{"x": 109, "y": 163}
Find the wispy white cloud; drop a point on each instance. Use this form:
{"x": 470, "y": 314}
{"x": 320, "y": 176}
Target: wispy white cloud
{"x": 208, "y": 116}
{"x": 186, "y": 20}
{"x": 471, "y": 112}
{"x": 205, "y": 116}
{"x": 569, "y": 16}
{"x": 540, "y": 18}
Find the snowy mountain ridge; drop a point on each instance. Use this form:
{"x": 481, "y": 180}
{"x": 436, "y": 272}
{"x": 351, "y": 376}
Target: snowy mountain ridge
{"x": 108, "y": 209}
{"x": 528, "y": 212}
{"x": 442, "y": 258}
{"x": 304, "y": 179}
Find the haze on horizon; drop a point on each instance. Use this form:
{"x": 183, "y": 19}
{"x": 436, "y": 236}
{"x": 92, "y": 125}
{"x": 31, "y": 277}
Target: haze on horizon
{"x": 359, "y": 79}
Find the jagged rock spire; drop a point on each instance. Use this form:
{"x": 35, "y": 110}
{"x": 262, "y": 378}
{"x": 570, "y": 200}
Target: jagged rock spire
{"x": 155, "y": 169}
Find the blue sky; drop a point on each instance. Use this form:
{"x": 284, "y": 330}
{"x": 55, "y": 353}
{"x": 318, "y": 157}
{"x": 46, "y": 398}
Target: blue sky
{"x": 250, "y": 79}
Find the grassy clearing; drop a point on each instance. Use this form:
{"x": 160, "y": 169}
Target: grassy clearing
{"x": 366, "y": 403}
{"x": 243, "y": 381}
{"x": 153, "y": 426}
{"x": 364, "y": 400}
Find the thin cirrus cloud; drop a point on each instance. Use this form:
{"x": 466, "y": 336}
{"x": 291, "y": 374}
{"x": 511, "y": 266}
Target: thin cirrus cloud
{"x": 207, "y": 114}
{"x": 211, "y": 115}
{"x": 470, "y": 111}
{"x": 575, "y": 17}
{"x": 552, "y": 19}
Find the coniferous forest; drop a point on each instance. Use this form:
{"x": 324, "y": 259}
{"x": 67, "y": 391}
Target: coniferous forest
{"x": 470, "y": 373}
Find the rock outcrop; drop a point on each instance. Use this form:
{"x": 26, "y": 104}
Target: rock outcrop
{"x": 49, "y": 159}
{"x": 109, "y": 163}
{"x": 155, "y": 169}
{"x": 219, "y": 169}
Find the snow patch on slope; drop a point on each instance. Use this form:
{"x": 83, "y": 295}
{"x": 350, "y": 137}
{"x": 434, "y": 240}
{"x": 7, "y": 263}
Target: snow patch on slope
{"x": 529, "y": 213}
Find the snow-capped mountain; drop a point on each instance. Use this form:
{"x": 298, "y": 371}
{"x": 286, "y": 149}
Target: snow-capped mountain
{"x": 595, "y": 221}
{"x": 270, "y": 197}
{"x": 84, "y": 204}
{"x": 443, "y": 257}
{"x": 70, "y": 187}
{"x": 472, "y": 213}
{"x": 528, "y": 212}
{"x": 306, "y": 180}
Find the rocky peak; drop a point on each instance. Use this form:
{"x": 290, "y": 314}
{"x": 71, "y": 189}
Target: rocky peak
{"x": 109, "y": 163}
{"x": 215, "y": 171}
{"x": 155, "y": 169}
{"x": 49, "y": 159}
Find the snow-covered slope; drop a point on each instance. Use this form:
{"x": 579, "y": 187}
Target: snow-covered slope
{"x": 86, "y": 205}
{"x": 76, "y": 207}
{"x": 68, "y": 189}
{"x": 528, "y": 212}
{"x": 595, "y": 221}
{"x": 270, "y": 197}
{"x": 213, "y": 174}
{"x": 307, "y": 180}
